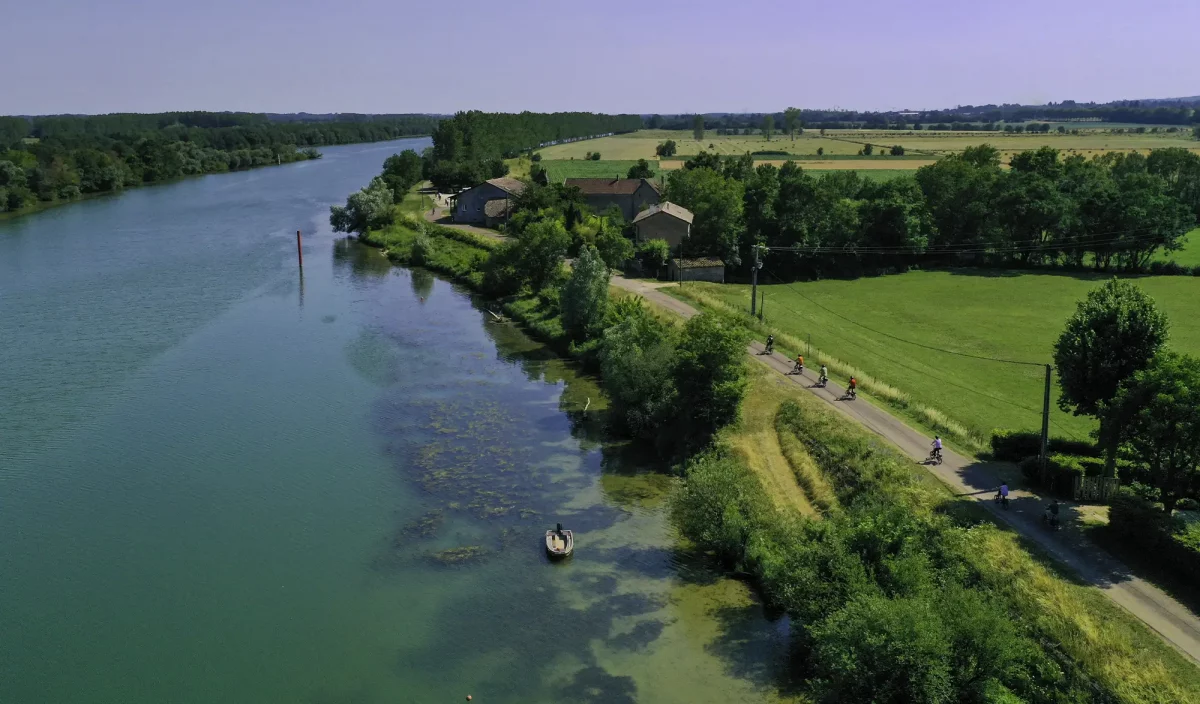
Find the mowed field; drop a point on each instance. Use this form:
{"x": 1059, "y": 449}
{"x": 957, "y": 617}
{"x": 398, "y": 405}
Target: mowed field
{"x": 557, "y": 170}
{"x": 842, "y": 145}
{"x": 1006, "y": 315}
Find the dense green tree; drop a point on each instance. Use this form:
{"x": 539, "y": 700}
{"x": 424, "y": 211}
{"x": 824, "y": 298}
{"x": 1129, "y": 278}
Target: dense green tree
{"x": 640, "y": 170}
{"x": 402, "y": 171}
{"x": 666, "y": 148}
{"x": 584, "y": 298}
{"x": 716, "y": 202}
{"x": 721, "y": 507}
{"x": 653, "y": 255}
{"x": 738, "y": 169}
{"x": 710, "y": 377}
{"x": 704, "y": 160}
{"x": 1113, "y": 334}
{"x": 540, "y": 249}
{"x": 1156, "y": 413}
{"x": 368, "y": 209}
{"x": 791, "y": 120}
{"x": 897, "y": 150}
{"x": 636, "y": 357}
{"x": 867, "y": 149}
{"x": 698, "y": 127}
{"x": 615, "y": 248}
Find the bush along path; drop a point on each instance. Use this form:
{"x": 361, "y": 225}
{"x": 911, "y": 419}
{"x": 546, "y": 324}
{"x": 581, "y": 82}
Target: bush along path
{"x": 971, "y": 478}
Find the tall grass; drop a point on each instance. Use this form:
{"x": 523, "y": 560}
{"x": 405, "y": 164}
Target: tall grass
{"x": 933, "y": 418}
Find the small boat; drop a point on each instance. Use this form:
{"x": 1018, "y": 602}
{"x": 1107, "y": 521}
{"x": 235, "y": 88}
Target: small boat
{"x": 559, "y": 543}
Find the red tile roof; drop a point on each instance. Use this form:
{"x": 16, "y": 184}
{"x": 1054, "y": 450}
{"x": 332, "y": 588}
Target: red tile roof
{"x": 609, "y": 186}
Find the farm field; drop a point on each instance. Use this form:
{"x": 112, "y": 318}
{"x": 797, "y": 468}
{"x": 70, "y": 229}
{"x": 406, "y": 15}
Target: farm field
{"x": 559, "y": 169}
{"x": 1006, "y": 315}
{"x": 920, "y": 146}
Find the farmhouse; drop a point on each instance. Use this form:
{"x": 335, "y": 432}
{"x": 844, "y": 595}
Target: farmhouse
{"x": 471, "y": 206}
{"x": 665, "y": 221}
{"x": 631, "y": 195}
{"x": 707, "y": 269}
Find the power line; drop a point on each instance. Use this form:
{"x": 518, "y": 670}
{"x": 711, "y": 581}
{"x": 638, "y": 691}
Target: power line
{"x": 901, "y": 339}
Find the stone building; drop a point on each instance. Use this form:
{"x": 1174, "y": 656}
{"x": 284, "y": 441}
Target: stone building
{"x": 471, "y": 206}
{"x": 631, "y": 195}
{"x": 665, "y": 221}
{"x": 706, "y": 269}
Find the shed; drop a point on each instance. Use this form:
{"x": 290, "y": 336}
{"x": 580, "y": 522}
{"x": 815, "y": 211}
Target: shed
{"x": 665, "y": 221}
{"x": 496, "y": 211}
{"x": 703, "y": 269}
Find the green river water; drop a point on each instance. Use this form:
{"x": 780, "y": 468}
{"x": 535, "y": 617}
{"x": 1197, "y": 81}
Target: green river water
{"x": 220, "y": 483}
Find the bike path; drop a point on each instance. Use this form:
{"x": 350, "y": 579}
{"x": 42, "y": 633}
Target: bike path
{"x": 979, "y": 480}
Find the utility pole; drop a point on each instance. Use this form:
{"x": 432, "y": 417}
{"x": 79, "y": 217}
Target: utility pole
{"x": 1045, "y": 422}
{"x": 754, "y": 280}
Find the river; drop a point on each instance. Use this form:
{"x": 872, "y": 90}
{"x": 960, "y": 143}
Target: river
{"x": 223, "y": 482}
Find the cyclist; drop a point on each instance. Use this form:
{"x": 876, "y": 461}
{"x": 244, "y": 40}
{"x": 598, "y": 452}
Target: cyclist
{"x": 853, "y": 388}
{"x": 770, "y": 344}
{"x": 1002, "y": 493}
{"x": 937, "y": 447}
{"x": 824, "y": 378}
{"x": 799, "y": 369}
{"x": 1052, "y": 514}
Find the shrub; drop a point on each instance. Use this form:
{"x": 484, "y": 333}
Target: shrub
{"x": 537, "y": 156}
{"x": 1015, "y": 445}
{"x": 1134, "y": 518}
{"x": 595, "y": 156}
{"x": 585, "y": 295}
{"x": 654, "y": 254}
{"x": 420, "y": 250}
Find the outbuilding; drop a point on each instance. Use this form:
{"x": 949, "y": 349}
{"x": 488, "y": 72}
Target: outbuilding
{"x": 703, "y": 269}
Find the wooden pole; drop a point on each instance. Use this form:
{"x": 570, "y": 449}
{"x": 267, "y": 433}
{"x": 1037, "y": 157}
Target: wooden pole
{"x": 299, "y": 251}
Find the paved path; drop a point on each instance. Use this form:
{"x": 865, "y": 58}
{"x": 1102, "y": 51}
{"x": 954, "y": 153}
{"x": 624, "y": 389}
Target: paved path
{"x": 979, "y": 480}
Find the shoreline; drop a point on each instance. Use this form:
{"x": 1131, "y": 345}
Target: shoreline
{"x": 44, "y": 205}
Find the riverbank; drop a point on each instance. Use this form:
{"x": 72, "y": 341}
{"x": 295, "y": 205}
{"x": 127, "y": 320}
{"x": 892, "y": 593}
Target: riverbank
{"x": 846, "y": 473}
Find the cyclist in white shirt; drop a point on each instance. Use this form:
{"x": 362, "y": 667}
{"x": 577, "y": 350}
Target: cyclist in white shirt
{"x": 937, "y": 446}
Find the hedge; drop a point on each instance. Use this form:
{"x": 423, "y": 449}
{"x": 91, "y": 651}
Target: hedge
{"x": 1146, "y": 525}
{"x": 1061, "y": 471}
{"x": 1015, "y": 445}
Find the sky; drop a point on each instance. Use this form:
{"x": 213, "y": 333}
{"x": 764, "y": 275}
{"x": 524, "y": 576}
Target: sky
{"x": 655, "y": 56}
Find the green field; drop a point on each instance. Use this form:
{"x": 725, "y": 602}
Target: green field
{"x": 1189, "y": 255}
{"x": 847, "y": 143}
{"x": 993, "y": 314}
{"x": 559, "y": 169}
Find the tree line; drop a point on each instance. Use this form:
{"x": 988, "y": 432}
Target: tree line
{"x": 1112, "y": 212}
{"x": 63, "y": 157}
{"x": 471, "y": 146}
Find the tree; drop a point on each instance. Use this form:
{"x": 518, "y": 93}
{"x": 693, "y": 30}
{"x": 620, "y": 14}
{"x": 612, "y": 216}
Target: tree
{"x": 710, "y": 377}
{"x": 1196, "y": 132}
{"x": 615, "y": 248}
{"x": 584, "y": 297}
{"x": 402, "y": 171}
{"x": 654, "y": 254}
{"x": 540, "y": 251}
{"x": 716, "y": 202}
{"x": 703, "y": 160}
{"x": 791, "y": 117}
{"x": 595, "y": 156}
{"x": 867, "y": 149}
{"x": 368, "y": 209}
{"x": 1113, "y": 334}
{"x": 636, "y": 356}
{"x": 897, "y": 150}
{"x": 820, "y": 151}
{"x": 768, "y": 125}
{"x": 698, "y": 127}
{"x": 1157, "y": 415}
{"x": 640, "y": 170}
{"x": 666, "y": 148}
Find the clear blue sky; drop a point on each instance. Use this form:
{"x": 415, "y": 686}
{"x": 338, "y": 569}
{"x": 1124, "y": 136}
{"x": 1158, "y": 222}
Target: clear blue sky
{"x": 662, "y": 56}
